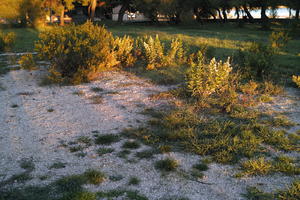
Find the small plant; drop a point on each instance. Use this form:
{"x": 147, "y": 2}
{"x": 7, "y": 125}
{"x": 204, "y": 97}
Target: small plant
{"x": 292, "y": 193}
{"x": 98, "y": 99}
{"x": 57, "y": 165}
{"x": 124, "y": 154}
{"x": 255, "y": 194}
{"x": 167, "y": 165}
{"x": 85, "y": 140}
{"x": 131, "y": 145}
{"x": 146, "y": 154}
{"x": 15, "y": 106}
{"x": 134, "y": 181}
{"x": 94, "y": 177}
{"x": 296, "y": 79}
{"x": 204, "y": 80}
{"x": 50, "y": 110}
{"x": 79, "y": 93}
{"x": 106, "y": 139}
{"x": 97, "y": 89}
{"x": 102, "y": 151}
{"x": 256, "y": 167}
{"x": 76, "y": 148}
{"x": 27, "y": 62}
{"x": 165, "y": 148}
{"x": 7, "y": 41}
{"x": 123, "y": 48}
{"x": 27, "y": 164}
{"x": 201, "y": 167}
{"x": 279, "y": 39}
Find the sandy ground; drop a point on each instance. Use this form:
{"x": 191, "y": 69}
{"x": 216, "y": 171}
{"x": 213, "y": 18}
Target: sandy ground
{"x": 30, "y": 131}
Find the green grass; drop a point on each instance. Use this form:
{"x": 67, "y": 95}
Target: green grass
{"x": 134, "y": 181}
{"x": 106, "y": 139}
{"x": 102, "y": 151}
{"x": 94, "y": 177}
{"x": 131, "y": 145}
{"x": 166, "y": 165}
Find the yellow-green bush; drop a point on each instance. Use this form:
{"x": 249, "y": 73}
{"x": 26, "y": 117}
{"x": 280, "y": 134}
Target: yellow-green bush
{"x": 7, "y": 41}
{"x": 123, "y": 48}
{"x": 156, "y": 55}
{"x": 206, "y": 79}
{"x": 296, "y": 79}
{"x": 27, "y": 62}
{"x": 279, "y": 39}
{"x": 77, "y": 53}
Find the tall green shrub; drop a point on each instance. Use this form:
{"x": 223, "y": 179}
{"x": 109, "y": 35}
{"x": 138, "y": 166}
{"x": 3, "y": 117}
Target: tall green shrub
{"x": 77, "y": 53}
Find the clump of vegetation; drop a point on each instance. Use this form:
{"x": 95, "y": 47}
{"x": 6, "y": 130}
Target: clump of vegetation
{"x": 258, "y": 166}
{"x": 296, "y": 79}
{"x": 94, "y": 177}
{"x": 146, "y": 154}
{"x": 167, "y": 165}
{"x": 27, "y": 164}
{"x": 204, "y": 80}
{"x": 201, "y": 166}
{"x": 134, "y": 181}
{"x": 7, "y": 41}
{"x": 256, "y": 61}
{"x": 291, "y": 193}
{"x": 155, "y": 54}
{"x": 93, "y": 47}
{"x": 279, "y": 39}
{"x": 131, "y": 145}
{"x": 106, "y": 139}
{"x": 123, "y": 48}
{"x": 102, "y": 151}
{"x": 57, "y": 165}
{"x": 27, "y": 62}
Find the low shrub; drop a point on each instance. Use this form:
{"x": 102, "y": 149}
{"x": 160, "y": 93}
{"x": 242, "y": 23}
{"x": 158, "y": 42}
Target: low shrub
{"x": 255, "y": 61}
{"x": 279, "y": 39}
{"x": 258, "y": 166}
{"x": 7, "y": 41}
{"x": 78, "y": 53}
{"x": 27, "y": 62}
{"x": 296, "y": 79}
{"x": 166, "y": 165}
{"x": 156, "y": 55}
{"x": 204, "y": 80}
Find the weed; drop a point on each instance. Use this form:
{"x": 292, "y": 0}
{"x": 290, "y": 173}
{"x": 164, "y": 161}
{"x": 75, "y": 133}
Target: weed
{"x": 256, "y": 167}
{"x": 146, "y": 154}
{"x": 50, "y": 110}
{"x": 166, "y": 165}
{"x": 291, "y": 193}
{"x": 102, "y": 151}
{"x": 98, "y": 99}
{"x": 286, "y": 165}
{"x": 279, "y": 39}
{"x": 76, "y": 148}
{"x": 57, "y": 165}
{"x": 106, "y": 139}
{"x": 134, "y": 181}
{"x": 22, "y": 177}
{"x": 94, "y": 177}
{"x": 165, "y": 149}
{"x": 70, "y": 184}
{"x": 296, "y": 80}
{"x": 131, "y": 145}
{"x": 124, "y": 153}
{"x": 255, "y": 194}
{"x": 97, "y": 89}
{"x": 201, "y": 166}
{"x": 197, "y": 174}
{"x": 14, "y": 106}
{"x": 85, "y": 140}
{"x": 27, "y": 62}
{"x": 27, "y": 164}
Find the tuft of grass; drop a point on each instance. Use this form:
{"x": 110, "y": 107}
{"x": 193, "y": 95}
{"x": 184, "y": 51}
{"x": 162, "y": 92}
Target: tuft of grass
{"x": 21, "y": 177}
{"x": 70, "y": 184}
{"x": 167, "y": 165}
{"x": 131, "y": 145}
{"x": 291, "y": 193}
{"x": 286, "y": 165}
{"x": 146, "y": 154}
{"x": 27, "y": 164}
{"x": 281, "y": 121}
{"x": 165, "y": 149}
{"x": 97, "y": 89}
{"x": 75, "y": 148}
{"x": 98, "y": 99}
{"x": 201, "y": 166}
{"x": 94, "y": 177}
{"x": 14, "y": 106}
{"x": 85, "y": 140}
{"x": 106, "y": 139}
{"x": 102, "y": 151}
{"x": 57, "y": 165}
{"x": 79, "y": 93}
{"x": 124, "y": 153}
{"x": 258, "y": 166}
{"x": 134, "y": 181}
{"x": 255, "y": 194}
{"x": 50, "y": 110}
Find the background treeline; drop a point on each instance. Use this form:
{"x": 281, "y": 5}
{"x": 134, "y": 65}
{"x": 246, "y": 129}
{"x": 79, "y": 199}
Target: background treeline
{"x": 33, "y": 12}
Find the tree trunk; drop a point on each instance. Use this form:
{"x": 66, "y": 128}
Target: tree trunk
{"x": 224, "y": 15}
{"x": 93, "y": 9}
{"x": 297, "y": 13}
{"x": 62, "y": 17}
{"x": 248, "y": 13}
{"x": 237, "y": 12}
{"x": 263, "y": 13}
{"x": 122, "y": 11}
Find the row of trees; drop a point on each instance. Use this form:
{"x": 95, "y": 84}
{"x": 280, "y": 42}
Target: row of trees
{"x": 30, "y": 11}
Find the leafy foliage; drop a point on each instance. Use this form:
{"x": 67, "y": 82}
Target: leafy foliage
{"x": 296, "y": 79}
{"x": 279, "y": 39}
{"x": 27, "y": 62}
{"x": 7, "y": 41}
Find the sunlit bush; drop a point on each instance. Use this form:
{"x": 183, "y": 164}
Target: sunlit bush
{"x": 279, "y": 39}
{"x": 156, "y": 55}
{"x": 7, "y": 41}
{"x": 27, "y": 62}
{"x": 206, "y": 79}
{"x": 296, "y": 79}
{"x": 123, "y": 48}
{"x": 77, "y": 53}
